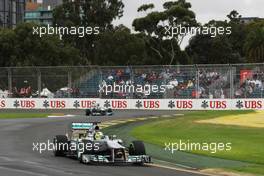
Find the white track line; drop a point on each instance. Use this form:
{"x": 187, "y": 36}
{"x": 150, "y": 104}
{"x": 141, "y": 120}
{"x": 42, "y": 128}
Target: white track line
{"x": 181, "y": 170}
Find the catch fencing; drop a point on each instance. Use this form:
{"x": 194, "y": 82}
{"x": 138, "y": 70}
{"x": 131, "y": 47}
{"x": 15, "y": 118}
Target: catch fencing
{"x": 235, "y": 81}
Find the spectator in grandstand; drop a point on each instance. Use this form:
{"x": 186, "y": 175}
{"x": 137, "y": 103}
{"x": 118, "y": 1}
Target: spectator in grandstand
{"x": 173, "y": 83}
{"x": 255, "y": 82}
{"x": 3, "y": 93}
{"x": 190, "y": 84}
{"x": 46, "y": 93}
{"x": 252, "y": 87}
{"x": 239, "y": 93}
{"x": 15, "y": 92}
{"x": 25, "y": 92}
{"x": 110, "y": 79}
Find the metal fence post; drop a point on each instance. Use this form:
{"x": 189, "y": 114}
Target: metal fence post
{"x": 10, "y": 81}
{"x": 132, "y": 75}
{"x": 100, "y": 80}
{"x": 231, "y": 81}
{"x": 197, "y": 81}
{"x": 39, "y": 82}
{"x": 165, "y": 94}
{"x": 69, "y": 82}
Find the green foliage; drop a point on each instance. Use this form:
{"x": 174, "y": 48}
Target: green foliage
{"x": 146, "y": 7}
{"x": 120, "y": 47}
{"x": 152, "y": 45}
{"x": 20, "y": 47}
{"x": 254, "y": 44}
{"x": 7, "y": 50}
{"x": 88, "y": 13}
{"x": 99, "y": 13}
{"x": 234, "y": 16}
{"x": 245, "y": 44}
{"x": 163, "y": 47}
{"x": 204, "y": 49}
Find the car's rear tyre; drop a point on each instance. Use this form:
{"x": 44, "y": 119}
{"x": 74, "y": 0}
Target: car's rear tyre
{"x": 88, "y": 112}
{"x": 88, "y": 147}
{"x": 137, "y": 148}
{"x": 61, "y": 144}
{"x": 109, "y": 112}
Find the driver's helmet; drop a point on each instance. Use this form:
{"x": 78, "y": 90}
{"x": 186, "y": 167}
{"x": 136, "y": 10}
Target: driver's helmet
{"x": 98, "y": 135}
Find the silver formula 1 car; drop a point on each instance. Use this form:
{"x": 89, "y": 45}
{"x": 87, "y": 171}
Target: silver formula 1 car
{"x": 99, "y": 111}
{"x": 86, "y": 143}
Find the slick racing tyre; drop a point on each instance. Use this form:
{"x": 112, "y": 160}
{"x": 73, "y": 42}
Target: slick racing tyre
{"x": 88, "y": 112}
{"x": 88, "y": 147}
{"x": 137, "y": 148}
{"x": 60, "y": 144}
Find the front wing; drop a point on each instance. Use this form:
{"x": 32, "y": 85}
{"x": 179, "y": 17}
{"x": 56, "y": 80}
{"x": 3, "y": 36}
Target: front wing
{"x": 140, "y": 159}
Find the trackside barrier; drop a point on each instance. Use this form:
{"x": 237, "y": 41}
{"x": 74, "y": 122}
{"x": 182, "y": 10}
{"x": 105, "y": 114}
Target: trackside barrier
{"x": 126, "y": 104}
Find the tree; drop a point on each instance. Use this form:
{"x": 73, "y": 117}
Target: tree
{"x": 234, "y": 16}
{"x": 90, "y": 13}
{"x": 254, "y": 43}
{"x": 120, "y": 47}
{"x": 19, "y": 47}
{"x": 99, "y": 13}
{"x": 146, "y": 7}
{"x": 204, "y": 49}
{"x": 7, "y": 49}
{"x": 154, "y": 29}
{"x": 239, "y": 33}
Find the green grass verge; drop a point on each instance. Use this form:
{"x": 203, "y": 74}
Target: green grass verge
{"x": 247, "y": 143}
{"x": 22, "y": 115}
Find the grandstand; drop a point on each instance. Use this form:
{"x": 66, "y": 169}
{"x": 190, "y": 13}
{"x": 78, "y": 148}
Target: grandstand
{"x": 182, "y": 82}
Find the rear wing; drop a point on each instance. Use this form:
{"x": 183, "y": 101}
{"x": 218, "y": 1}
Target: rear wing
{"x": 83, "y": 125}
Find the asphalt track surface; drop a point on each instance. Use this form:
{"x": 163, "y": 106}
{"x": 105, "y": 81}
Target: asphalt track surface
{"x": 17, "y": 157}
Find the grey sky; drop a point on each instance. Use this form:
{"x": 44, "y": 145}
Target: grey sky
{"x": 204, "y": 9}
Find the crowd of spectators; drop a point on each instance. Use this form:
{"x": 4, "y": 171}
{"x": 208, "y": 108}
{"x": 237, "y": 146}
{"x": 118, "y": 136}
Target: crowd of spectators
{"x": 251, "y": 87}
{"x": 179, "y": 82}
{"x": 213, "y": 84}
{"x": 183, "y": 83}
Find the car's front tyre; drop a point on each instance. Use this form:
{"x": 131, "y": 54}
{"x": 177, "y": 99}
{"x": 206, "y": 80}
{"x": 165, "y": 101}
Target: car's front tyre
{"x": 84, "y": 160}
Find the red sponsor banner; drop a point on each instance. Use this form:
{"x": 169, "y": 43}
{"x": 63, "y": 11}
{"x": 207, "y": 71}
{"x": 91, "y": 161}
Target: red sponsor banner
{"x": 55, "y": 104}
{"x": 2, "y": 103}
{"x": 252, "y": 104}
{"x": 245, "y": 74}
{"x": 119, "y": 104}
{"x": 218, "y": 104}
{"x": 26, "y": 104}
{"x": 144, "y": 104}
{"x": 151, "y": 104}
{"x": 181, "y": 104}
{"x": 87, "y": 104}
